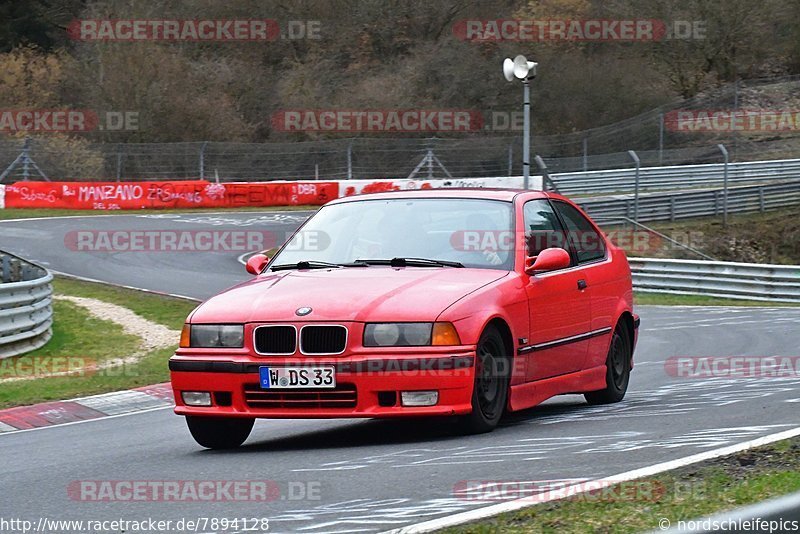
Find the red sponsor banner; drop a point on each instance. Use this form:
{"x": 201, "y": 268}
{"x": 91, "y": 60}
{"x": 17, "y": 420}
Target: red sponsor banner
{"x": 174, "y": 194}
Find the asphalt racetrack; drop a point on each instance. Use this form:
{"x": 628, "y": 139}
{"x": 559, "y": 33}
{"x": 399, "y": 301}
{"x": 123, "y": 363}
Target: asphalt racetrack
{"x": 365, "y": 475}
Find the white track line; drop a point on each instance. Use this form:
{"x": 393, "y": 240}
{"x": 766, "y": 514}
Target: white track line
{"x": 518, "y": 504}
{"x": 94, "y": 420}
{"x": 136, "y": 213}
{"x": 133, "y": 288}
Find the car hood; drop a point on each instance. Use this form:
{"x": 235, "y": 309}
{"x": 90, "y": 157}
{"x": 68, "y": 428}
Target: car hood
{"x": 348, "y": 294}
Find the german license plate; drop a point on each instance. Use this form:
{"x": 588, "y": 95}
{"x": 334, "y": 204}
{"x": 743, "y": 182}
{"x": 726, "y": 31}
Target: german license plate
{"x": 297, "y": 377}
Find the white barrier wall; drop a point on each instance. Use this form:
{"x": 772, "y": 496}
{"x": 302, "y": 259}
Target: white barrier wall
{"x": 2, "y": 196}
{"x": 356, "y": 187}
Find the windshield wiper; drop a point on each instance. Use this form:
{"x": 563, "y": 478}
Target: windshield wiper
{"x": 412, "y": 262}
{"x": 311, "y": 264}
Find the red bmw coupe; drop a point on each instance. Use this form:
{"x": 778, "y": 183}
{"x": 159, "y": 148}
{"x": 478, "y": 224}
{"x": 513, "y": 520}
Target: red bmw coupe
{"x": 447, "y": 302}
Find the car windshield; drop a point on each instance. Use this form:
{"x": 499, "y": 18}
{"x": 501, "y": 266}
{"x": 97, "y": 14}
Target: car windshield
{"x": 472, "y": 232}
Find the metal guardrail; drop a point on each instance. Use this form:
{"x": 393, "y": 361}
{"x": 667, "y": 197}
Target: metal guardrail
{"x": 751, "y": 281}
{"x": 696, "y": 203}
{"x": 26, "y": 312}
{"x": 613, "y": 221}
{"x": 676, "y": 177}
{"x": 775, "y": 515}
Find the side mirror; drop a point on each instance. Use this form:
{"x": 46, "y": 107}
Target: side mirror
{"x": 550, "y": 259}
{"x": 256, "y": 263}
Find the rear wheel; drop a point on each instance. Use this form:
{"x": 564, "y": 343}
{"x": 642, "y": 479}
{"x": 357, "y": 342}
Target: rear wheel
{"x": 219, "y": 432}
{"x": 490, "y": 393}
{"x": 618, "y": 370}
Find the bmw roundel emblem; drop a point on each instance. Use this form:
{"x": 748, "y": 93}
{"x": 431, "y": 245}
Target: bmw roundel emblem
{"x": 303, "y": 311}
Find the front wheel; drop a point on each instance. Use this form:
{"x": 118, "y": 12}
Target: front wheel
{"x": 219, "y": 432}
{"x": 490, "y": 393}
{"x": 618, "y": 370}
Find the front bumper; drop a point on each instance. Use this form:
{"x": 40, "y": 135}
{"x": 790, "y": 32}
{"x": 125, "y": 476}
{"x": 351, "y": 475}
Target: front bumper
{"x": 364, "y": 385}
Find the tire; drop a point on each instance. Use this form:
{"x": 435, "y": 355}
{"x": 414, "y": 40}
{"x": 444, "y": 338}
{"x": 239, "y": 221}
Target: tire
{"x": 618, "y": 370}
{"x": 490, "y": 392}
{"x": 219, "y": 432}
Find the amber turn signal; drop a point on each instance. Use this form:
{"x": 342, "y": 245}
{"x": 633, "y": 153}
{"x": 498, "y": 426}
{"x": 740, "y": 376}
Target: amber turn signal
{"x": 185, "y": 335}
{"x": 445, "y": 334}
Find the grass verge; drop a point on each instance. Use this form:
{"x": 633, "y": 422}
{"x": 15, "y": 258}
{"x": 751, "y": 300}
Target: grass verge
{"x": 769, "y": 237}
{"x": 78, "y": 337}
{"x": 685, "y": 494}
{"x": 669, "y": 299}
{"x": 168, "y": 311}
{"x": 28, "y": 213}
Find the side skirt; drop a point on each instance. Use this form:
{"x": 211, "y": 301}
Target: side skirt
{"x": 530, "y": 394}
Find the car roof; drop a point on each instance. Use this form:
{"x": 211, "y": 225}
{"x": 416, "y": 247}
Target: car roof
{"x": 446, "y": 192}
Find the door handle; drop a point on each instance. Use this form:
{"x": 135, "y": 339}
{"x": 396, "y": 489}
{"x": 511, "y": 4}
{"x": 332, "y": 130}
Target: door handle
{"x": 581, "y": 284}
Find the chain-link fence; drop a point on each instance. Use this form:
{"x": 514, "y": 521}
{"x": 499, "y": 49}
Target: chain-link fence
{"x": 652, "y": 135}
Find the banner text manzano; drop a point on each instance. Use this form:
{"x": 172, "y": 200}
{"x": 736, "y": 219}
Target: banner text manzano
{"x": 173, "y": 194}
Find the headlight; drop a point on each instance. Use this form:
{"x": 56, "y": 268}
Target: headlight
{"x": 216, "y": 336}
{"x": 408, "y": 334}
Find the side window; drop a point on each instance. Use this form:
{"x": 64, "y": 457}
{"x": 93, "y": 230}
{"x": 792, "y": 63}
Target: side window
{"x": 542, "y": 228}
{"x": 588, "y": 244}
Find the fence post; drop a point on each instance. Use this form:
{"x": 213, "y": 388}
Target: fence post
{"x": 638, "y": 163}
{"x": 761, "y": 204}
{"x": 6, "y": 268}
{"x": 661, "y": 138}
{"x": 119, "y": 161}
{"x": 26, "y": 149}
{"x": 735, "y": 113}
{"x": 672, "y": 209}
{"x": 350, "y": 160}
{"x": 546, "y": 179}
{"x": 15, "y": 270}
{"x": 585, "y": 154}
{"x": 203, "y": 160}
{"x": 724, "y": 151}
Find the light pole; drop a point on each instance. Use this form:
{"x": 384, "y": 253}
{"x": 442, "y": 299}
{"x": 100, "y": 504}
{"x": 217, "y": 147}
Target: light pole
{"x": 523, "y": 70}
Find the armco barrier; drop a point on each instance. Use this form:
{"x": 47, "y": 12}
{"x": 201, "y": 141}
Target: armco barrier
{"x": 670, "y": 206}
{"x": 751, "y": 281}
{"x": 676, "y": 177}
{"x": 26, "y": 313}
